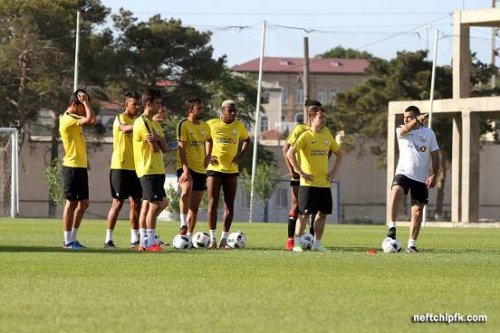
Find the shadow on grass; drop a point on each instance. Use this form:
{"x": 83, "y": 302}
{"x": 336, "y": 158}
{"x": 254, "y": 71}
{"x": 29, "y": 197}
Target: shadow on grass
{"x": 171, "y": 250}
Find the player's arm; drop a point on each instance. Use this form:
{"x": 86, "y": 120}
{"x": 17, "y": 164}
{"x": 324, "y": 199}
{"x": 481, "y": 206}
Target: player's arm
{"x": 185, "y": 176}
{"x": 339, "y": 155}
{"x": 244, "y": 148}
{"x": 406, "y": 128}
{"x": 291, "y": 171}
{"x": 291, "y": 154}
{"x": 431, "y": 181}
{"x": 208, "y": 151}
{"x": 89, "y": 118}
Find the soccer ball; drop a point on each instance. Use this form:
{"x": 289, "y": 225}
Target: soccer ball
{"x": 236, "y": 240}
{"x": 390, "y": 245}
{"x": 200, "y": 240}
{"x": 181, "y": 242}
{"x": 307, "y": 241}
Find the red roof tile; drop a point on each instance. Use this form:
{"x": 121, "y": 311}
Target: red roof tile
{"x": 296, "y": 65}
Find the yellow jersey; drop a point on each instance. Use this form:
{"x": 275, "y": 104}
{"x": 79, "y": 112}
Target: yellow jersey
{"x": 226, "y": 139}
{"x": 194, "y": 137}
{"x": 123, "y": 151}
{"x": 147, "y": 162}
{"x": 75, "y": 152}
{"x": 314, "y": 150}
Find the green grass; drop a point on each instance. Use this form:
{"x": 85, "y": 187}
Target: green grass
{"x": 258, "y": 289}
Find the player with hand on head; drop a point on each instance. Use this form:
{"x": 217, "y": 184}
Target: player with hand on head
{"x": 222, "y": 172}
{"x": 75, "y": 164}
{"x": 314, "y": 147}
{"x": 191, "y": 163}
{"x": 418, "y": 149}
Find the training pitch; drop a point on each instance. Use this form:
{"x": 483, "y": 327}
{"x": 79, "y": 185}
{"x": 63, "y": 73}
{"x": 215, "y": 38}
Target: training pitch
{"x": 261, "y": 288}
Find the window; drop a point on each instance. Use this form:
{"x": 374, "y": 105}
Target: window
{"x": 322, "y": 96}
{"x": 264, "y": 123}
{"x": 333, "y": 96}
{"x": 284, "y": 96}
{"x": 299, "y": 96}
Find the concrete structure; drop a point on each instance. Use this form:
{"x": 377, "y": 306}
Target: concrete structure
{"x": 466, "y": 113}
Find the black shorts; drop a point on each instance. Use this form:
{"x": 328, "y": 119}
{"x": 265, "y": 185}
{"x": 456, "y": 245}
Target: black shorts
{"x": 152, "y": 187}
{"x": 199, "y": 179}
{"x": 315, "y": 199}
{"x": 294, "y": 182}
{"x": 124, "y": 184}
{"x": 75, "y": 183}
{"x": 418, "y": 190}
{"x": 212, "y": 173}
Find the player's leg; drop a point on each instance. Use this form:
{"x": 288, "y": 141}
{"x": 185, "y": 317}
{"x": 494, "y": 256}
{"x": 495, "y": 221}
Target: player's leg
{"x": 229, "y": 185}
{"x": 419, "y": 198}
{"x": 292, "y": 214}
{"x": 324, "y": 204}
{"x": 304, "y": 210}
{"x": 68, "y": 217}
{"x": 214, "y": 183}
{"x": 156, "y": 204}
{"x": 117, "y": 183}
{"x": 135, "y": 211}
{"x": 81, "y": 186}
{"x": 184, "y": 202}
{"x": 196, "y": 197}
{"x": 399, "y": 188}
{"x": 199, "y": 187}
{"x": 135, "y": 195}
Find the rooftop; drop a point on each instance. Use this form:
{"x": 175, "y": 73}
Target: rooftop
{"x": 296, "y": 65}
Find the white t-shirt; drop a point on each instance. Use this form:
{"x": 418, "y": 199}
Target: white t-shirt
{"x": 415, "y": 153}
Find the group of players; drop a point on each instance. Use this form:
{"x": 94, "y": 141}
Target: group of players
{"x": 208, "y": 154}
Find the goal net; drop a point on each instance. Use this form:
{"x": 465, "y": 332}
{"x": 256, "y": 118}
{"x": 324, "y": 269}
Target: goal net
{"x": 9, "y": 194}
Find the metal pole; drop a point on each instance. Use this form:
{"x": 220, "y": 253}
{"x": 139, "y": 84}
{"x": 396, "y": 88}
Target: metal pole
{"x": 431, "y": 103}
{"x": 77, "y": 49}
{"x": 305, "y": 83}
{"x": 256, "y": 126}
{"x": 433, "y": 78}
{"x": 15, "y": 151}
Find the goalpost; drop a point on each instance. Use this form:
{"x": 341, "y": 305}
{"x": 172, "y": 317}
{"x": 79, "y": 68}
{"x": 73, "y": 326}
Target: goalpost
{"x": 9, "y": 175}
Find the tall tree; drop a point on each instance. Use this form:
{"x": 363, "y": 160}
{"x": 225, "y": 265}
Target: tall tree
{"x": 340, "y": 52}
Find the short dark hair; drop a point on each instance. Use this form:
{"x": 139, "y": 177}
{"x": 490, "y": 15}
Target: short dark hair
{"x": 414, "y": 109}
{"x": 132, "y": 94}
{"x": 312, "y": 102}
{"x": 150, "y": 95}
{"x": 74, "y": 97}
{"x": 192, "y": 102}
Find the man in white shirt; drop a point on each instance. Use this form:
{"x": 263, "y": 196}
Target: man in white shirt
{"x": 418, "y": 149}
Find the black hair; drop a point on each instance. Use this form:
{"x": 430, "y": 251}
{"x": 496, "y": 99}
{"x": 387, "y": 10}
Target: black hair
{"x": 132, "y": 94}
{"x": 414, "y": 109}
{"x": 312, "y": 102}
{"x": 150, "y": 95}
{"x": 192, "y": 102}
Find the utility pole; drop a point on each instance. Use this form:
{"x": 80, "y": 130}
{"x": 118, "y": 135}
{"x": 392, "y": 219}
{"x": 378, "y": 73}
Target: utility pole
{"x": 493, "y": 49}
{"x": 305, "y": 83}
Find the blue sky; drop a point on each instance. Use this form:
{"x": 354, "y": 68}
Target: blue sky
{"x": 380, "y": 27}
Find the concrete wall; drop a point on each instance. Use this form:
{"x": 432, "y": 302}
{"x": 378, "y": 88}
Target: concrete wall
{"x": 362, "y": 187}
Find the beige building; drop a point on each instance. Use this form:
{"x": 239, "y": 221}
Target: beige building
{"x": 283, "y": 82}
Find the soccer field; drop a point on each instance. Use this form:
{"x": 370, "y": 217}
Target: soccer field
{"x": 261, "y": 288}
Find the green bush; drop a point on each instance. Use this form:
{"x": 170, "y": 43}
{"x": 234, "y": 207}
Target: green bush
{"x": 53, "y": 180}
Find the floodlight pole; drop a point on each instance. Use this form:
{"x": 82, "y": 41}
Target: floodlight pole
{"x": 431, "y": 103}
{"x": 256, "y": 126}
{"x": 77, "y": 50}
